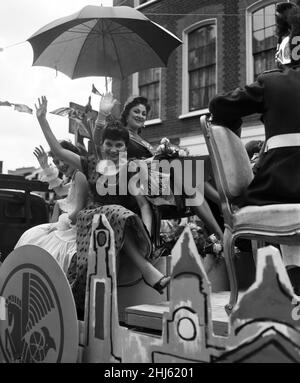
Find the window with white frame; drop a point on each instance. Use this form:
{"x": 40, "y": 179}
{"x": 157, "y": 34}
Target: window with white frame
{"x": 149, "y": 87}
{"x": 263, "y": 39}
{"x": 200, "y": 66}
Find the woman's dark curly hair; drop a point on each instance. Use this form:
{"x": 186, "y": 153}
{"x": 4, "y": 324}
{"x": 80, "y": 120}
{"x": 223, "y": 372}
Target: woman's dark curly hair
{"x": 283, "y": 13}
{"x": 115, "y": 130}
{"x": 66, "y": 145}
{"x": 287, "y": 19}
{"x": 288, "y": 23}
{"x": 132, "y": 102}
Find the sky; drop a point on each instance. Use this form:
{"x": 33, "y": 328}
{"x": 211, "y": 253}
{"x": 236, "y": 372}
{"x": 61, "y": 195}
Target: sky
{"x": 22, "y": 83}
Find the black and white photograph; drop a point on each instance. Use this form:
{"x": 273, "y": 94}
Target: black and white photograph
{"x": 150, "y": 184}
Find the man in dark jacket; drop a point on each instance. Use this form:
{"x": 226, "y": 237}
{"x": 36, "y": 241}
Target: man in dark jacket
{"x": 276, "y": 96}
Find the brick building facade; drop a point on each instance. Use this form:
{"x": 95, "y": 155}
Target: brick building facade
{"x": 226, "y": 43}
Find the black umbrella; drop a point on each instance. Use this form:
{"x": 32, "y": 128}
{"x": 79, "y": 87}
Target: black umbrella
{"x": 103, "y": 41}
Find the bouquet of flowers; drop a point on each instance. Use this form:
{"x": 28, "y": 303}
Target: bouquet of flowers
{"x": 166, "y": 149}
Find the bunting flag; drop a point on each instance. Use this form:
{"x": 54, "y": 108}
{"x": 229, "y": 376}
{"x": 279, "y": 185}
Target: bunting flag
{"x": 80, "y": 127}
{"x": 75, "y": 115}
{"x": 96, "y": 91}
{"x": 5, "y": 103}
{"x": 19, "y": 107}
{"x": 23, "y": 108}
{"x": 72, "y": 113}
{"x": 62, "y": 111}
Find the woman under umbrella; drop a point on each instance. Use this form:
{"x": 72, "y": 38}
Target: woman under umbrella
{"x": 131, "y": 236}
{"x": 134, "y": 116}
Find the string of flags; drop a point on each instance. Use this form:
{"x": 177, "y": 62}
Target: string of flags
{"x": 19, "y": 107}
{"x": 72, "y": 113}
{"x": 76, "y": 114}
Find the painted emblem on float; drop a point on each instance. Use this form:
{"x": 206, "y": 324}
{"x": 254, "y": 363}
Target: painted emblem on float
{"x": 33, "y": 328}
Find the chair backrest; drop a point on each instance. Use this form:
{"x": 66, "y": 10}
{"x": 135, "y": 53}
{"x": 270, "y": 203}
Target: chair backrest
{"x": 230, "y": 162}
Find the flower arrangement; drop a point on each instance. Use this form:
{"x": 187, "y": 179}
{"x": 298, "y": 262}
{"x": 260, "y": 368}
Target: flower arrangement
{"x": 205, "y": 244}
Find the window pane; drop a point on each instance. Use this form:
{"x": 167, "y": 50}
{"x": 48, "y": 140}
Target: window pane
{"x": 264, "y": 61}
{"x": 145, "y": 76}
{"x": 259, "y": 65}
{"x": 202, "y": 87}
{"x": 270, "y": 15}
{"x": 156, "y": 74}
{"x": 149, "y": 75}
{"x": 258, "y": 20}
{"x": 270, "y": 38}
{"x": 152, "y": 93}
{"x": 258, "y": 41}
{"x": 202, "y": 66}
{"x": 264, "y": 39}
{"x": 149, "y": 87}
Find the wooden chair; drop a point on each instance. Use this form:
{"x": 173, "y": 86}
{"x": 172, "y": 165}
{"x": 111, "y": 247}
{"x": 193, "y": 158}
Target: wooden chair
{"x": 276, "y": 224}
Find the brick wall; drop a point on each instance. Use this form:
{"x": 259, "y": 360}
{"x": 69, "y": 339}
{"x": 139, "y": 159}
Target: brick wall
{"x": 177, "y": 15}
{"x": 231, "y": 45}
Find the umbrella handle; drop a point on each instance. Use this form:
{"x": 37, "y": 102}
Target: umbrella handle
{"x": 106, "y": 84}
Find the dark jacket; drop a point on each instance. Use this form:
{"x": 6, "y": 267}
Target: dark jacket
{"x": 276, "y": 96}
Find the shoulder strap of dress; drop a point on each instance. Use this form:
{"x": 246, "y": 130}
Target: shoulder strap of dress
{"x": 136, "y": 138}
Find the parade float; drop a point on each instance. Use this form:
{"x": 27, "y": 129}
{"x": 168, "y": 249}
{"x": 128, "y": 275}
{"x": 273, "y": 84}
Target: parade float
{"x": 196, "y": 320}
{"x": 188, "y": 325}
{"x": 127, "y": 322}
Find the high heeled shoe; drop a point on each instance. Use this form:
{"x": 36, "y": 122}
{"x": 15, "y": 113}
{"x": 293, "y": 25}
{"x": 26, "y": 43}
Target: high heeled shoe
{"x": 160, "y": 285}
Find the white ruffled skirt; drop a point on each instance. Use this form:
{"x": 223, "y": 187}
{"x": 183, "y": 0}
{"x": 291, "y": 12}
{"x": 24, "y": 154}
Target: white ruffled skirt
{"x": 60, "y": 244}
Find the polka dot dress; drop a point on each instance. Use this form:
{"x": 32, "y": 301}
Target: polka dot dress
{"x": 123, "y": 222}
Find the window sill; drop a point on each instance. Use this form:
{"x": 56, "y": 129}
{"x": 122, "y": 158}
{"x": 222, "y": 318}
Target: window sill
{"x": 193, "y": 114}
{"x": 155, "y": 121}
{"x": 145, "y": 4}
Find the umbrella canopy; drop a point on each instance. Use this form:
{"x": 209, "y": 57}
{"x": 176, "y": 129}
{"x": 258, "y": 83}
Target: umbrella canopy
{"x": 103, "y": 41}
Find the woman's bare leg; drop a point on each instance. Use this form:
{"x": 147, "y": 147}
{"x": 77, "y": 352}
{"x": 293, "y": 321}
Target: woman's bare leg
{"x": 149, "y": 272}
{"x": 203, "y": 212}
{"x": 201, "y": 208}
{"x": 212, "y": 194}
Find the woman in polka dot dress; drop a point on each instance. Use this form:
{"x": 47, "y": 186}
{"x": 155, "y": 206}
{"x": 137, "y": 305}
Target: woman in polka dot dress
{"x": 131, "y": 235}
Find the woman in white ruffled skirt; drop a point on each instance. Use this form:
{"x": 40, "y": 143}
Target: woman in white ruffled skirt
{"x": 59, "y": 238}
